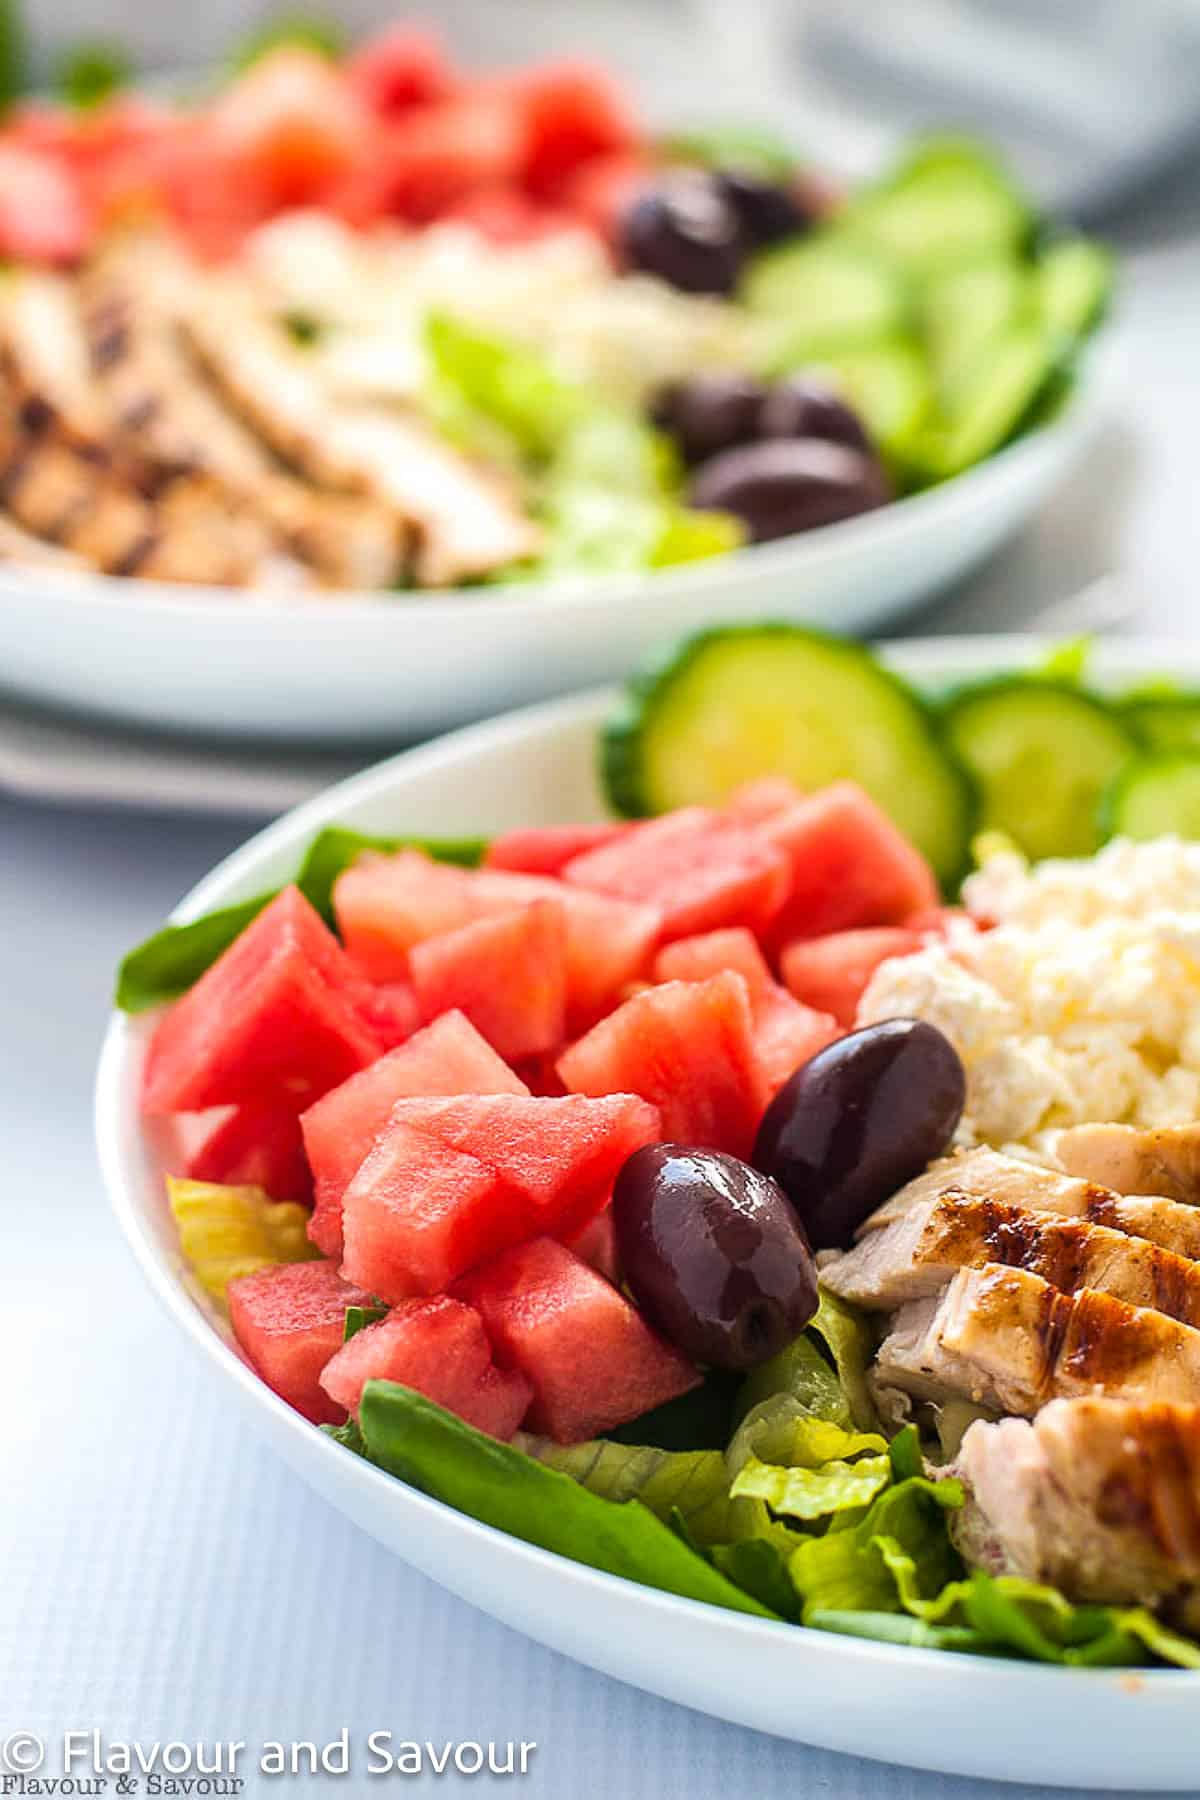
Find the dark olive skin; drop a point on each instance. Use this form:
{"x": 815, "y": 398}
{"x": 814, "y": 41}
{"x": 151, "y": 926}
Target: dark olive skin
{"x": 790, "y": 484}
{"x": 800, "y": 407}
{"x": 713, "y": 1254}
{"x": 769, "y": 211}
{"x": 686, "y": 232}
{"x": 864, "y": 1116}
{"x": 709, "y": 413}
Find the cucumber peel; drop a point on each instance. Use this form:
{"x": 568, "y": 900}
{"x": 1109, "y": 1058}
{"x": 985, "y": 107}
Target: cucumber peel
{"x": 731, "y": 704}
{"x": 1157, "y": 795}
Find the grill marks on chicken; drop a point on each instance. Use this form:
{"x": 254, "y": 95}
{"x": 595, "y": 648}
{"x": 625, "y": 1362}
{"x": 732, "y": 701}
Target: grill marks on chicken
{"x": 1132, "y": 1161}
{"x": 154, "y": 421}
{"x": 1097, "y": 1496}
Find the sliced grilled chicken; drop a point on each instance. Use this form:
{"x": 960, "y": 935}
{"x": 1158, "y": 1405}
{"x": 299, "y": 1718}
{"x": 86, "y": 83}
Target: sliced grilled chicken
{"x": 987, "y": 1175}
{"x": 1098, "y": 1497}
{"x": 19, "y": 548}
{"x": 1132, "y": 1161}
{"x": 44, "y": 356}
{"x": 168, "y": 417}
{"x": 467, "y": 521}
{"x": 919, "y": 1253}
{"x": 1005, "y": 1338}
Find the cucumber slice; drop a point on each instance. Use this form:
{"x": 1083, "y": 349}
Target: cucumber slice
{"x": 963, "y": 308}
{"x": 1042, "y": 753}
{"x": 1073, "y": 283}
{"x": 992, "y": 399}
{"x": 1154, "y": 796}
{"x": 820, "y": 292}
{"x": 1164, "y": 721}
{"x": 890, "y": 388}
{"x": 948, "y": 202}
{"x": 753, "y": 700}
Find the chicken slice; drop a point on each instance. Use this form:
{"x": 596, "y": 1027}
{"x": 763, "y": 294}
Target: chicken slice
{"x": 165, "y": 415}
{"x": 44, "y": 355}
{"x": 468, "y": 523}
{"x": 20, "y": 549}
{"x": 1005, "y": 1338}
{"x": 988, "y": 1175}
{"x": 1165, "y": 1161}
{"x": 919, "y": 1253}
{"x": 1098, "y": 1497}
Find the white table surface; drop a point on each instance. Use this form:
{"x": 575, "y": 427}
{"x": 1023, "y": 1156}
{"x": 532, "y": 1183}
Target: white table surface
{"x": 162, "y": 1577}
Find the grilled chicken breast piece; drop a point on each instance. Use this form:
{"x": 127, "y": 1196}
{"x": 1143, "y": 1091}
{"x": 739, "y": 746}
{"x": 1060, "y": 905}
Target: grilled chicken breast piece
{"x": 44, "y": 357}
{"x": 1098, "y": 1497}
{"x": 1005, "y": 1180}
{"x": 1133, "y": 1161}
{"x": 1005, "y": 1338}
{"x": 20, "y": 549}
{"x": 919, "y": 1253}
{"x": 468, "y": 523}
{"x": 168, "y": 417}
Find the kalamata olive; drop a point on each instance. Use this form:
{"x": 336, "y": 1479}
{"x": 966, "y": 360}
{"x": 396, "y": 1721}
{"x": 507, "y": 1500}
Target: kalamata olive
{"x": 686, "y": 232}
{"x": 768, "y": 210}
{"x": 790, "y": 484}
{"x": 803, "y": 408}
{"x": 860, "y": 1119}
{"x": 709, "y": 413}
{"x": 713, "y": 1254}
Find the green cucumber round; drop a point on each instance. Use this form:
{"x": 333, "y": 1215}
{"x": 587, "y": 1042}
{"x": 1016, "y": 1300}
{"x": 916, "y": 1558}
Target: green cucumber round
{"x": 947, "y": 202}
{"x": 1042, "y": 753}
{"x": 1167, "y": 720}
{"x": 1157, "y": 795}
{"x": 732, "y": 704}
{"x": 816, "y": 293}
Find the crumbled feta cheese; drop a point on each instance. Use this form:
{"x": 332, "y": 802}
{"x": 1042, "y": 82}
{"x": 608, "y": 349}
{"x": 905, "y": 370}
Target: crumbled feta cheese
{"x": 1082, "y": 1005}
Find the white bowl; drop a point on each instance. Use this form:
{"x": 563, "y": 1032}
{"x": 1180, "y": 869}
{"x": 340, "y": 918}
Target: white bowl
{"x": 957, "y": 1714}
{"x": 386, "y": 669}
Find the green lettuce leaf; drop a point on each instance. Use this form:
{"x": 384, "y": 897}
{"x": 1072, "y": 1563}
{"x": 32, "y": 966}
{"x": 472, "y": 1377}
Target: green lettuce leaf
{"x": 91, "y": 72}
{"x": 848, "y": 1338}
{"x": 173, "y": 959}
{"x": 511, "y": 388}
{"x": 799, "y": 1373}
{"x": 501, "y": 1486}
{"x": 898, "y": 1552}
{"x": 899, "y": 1628}
{"x": 813, "y": 1493}
{"x": 691, "y": 1483}
{"x": 359, "y": 1317}
{"x": 759, "y": 1566}
{"x": 701, "y": 1419}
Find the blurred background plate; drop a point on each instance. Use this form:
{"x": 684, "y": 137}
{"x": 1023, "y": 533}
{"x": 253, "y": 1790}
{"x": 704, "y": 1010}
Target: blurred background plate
{"x": 346, "y": 670}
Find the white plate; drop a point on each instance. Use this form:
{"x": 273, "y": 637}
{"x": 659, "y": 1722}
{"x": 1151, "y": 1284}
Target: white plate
{"x": 956, "y": 1714}
{"x": 219, "y": 662}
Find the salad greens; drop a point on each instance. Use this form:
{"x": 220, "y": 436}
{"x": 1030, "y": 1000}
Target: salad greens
{"x": 306, "y": 31}
{"x": 173, "y": 959}
{"x": 228, "y": 1232}
{"x": 803, "y": 1518}
{"x": 92, "y": 72}
{"x": 606, "y": 485}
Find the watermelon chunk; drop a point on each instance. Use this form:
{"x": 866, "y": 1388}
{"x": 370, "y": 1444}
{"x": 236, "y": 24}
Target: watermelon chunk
{"x": 291, "y": 125}
{"x": 762, "y": 798}
{"x": 596, "y": 1245}
{"x": 832, "y": 972}
{"x": 570, "y": 112}
{"x": 386, "y": 904}
{"x": 272, "y": 1022}
{"x": 290, "y": 1319}
{"x": 698, "y": 869}
{"x": 688, "y": 1048}
{"x": 440, "y": 1349}
{"x": 786, "y": 1033}
{"x": 256, "y": 1146}
{"x": 452, "y": 1182}
{"x": 400, "y": 67}
{"x": 593, "y": 1361}
{"x": 849, "y": 864}
{"x": 547, "y": 849}
{"x": 391, "y": 1010}
{"x": 447, "y": 1057}
{"x": 508, "y": 975}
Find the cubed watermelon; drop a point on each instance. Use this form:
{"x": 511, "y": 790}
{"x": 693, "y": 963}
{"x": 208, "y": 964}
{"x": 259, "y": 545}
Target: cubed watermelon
{"x": 700, "y": 871}
{"x": 447, "y": 1057}
{"x": 570, "y": 112}
{"x": 832, "y": 973}
{"x": 386, "y": 904}
{"x": 849, "y": 865}
{"x": 508, "y": 975}
{"x": 400, "y": 67}
{"x": 786, "y": 1033}
{"x": 688, "y": 1048}
{"x": 390, "y": 1009}
{"x": 435, "y": 155}
{"x": 547, "y": 849}
{"x": 762, "y": 798}
{"x": 452, "y": 1182}
{"x": 272, "y": 1022}
{"x": 596, "y": 1245}
{"x": 593, "y": 1361}
{"x": 440, "y": 1349}
{"x": 290, "y": 1319}
{"x": 256, "y": 1146}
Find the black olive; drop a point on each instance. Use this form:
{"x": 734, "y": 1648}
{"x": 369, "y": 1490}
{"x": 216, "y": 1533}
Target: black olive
{"x": 790, "y": 484}
{"x": 713, "y": 1254}
{"x": 801, "y": 407}
{"x": 686, "y": 232}
{"x": 858, "y": 1120}
{"x": 709, "y": 413}
{"x": 768, "y": 210}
